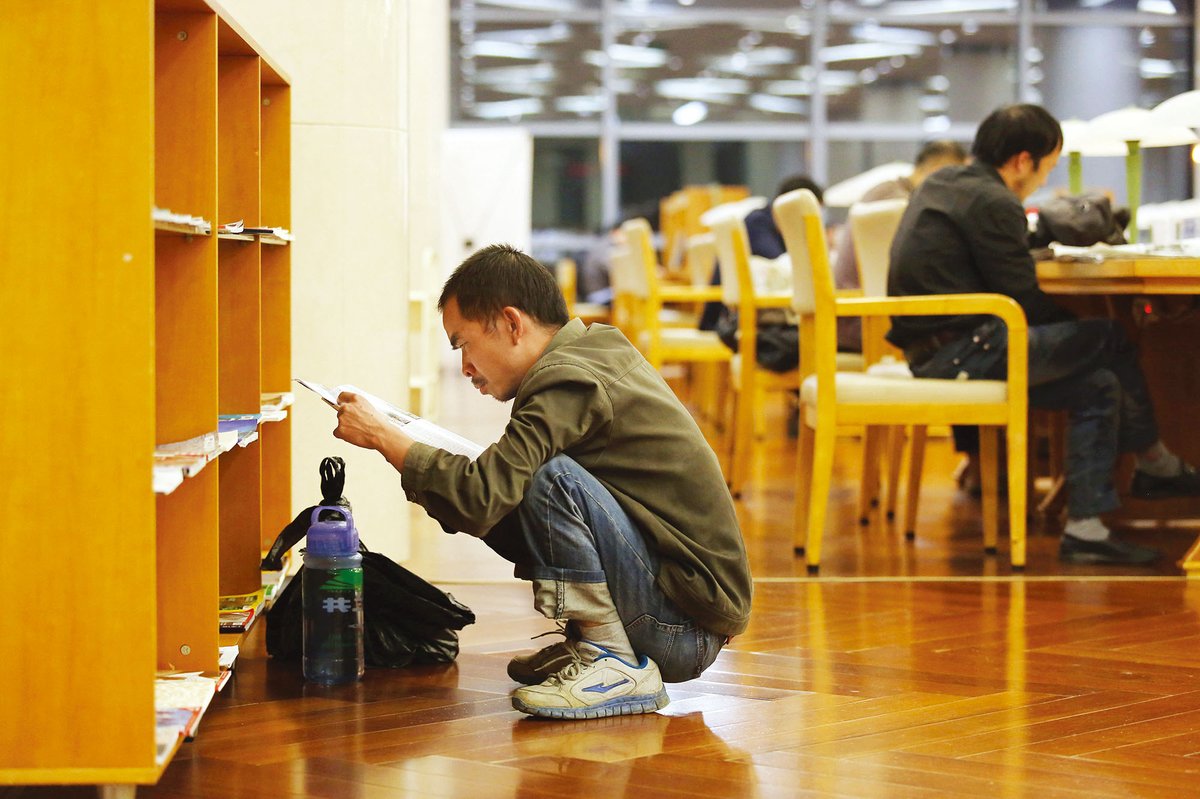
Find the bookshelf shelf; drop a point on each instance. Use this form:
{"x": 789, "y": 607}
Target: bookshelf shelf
{"x": 166, "y": 107}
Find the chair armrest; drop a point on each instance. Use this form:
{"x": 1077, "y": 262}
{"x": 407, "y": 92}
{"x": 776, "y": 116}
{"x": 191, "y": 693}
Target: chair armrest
{"x": 937, "y": 305}
{"x": 847, "y": 293}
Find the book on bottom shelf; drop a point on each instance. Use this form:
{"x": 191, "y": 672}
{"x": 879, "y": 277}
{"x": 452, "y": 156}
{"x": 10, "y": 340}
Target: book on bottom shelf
{"x": 238, "y": 612}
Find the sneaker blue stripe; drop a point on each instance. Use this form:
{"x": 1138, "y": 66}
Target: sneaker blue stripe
{"x": 602, "y": 688}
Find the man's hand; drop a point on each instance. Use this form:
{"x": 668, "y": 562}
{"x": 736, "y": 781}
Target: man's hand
{"x": 360, "y": 424}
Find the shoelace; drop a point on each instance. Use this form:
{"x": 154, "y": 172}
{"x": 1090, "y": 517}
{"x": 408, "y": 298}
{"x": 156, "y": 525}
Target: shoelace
{"x": 571, "y": 670}
{"x": 561, "y": 630}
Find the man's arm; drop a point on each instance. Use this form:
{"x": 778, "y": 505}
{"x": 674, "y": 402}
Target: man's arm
{"x": 360, "y": 424}
{"x": 999, "y": 240}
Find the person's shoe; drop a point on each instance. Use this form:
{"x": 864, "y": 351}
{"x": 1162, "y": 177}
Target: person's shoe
{"x": 1184, "y": 484}
{"x": 1111, "y": 550}
{"x": 534, "y": 667}
{"x": 594, "y": 685}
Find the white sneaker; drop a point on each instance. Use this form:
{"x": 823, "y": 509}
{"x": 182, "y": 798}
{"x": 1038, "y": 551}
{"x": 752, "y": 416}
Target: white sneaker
{"x": 535, "y": 667}
{"x": 595, "y": 684}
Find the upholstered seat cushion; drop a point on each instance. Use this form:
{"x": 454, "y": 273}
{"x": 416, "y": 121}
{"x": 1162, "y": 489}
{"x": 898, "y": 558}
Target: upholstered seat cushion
{"x": 855, "y": 387}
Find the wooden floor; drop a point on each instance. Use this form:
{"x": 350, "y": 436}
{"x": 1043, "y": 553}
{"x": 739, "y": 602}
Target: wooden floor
{"x": 905, "y": 669}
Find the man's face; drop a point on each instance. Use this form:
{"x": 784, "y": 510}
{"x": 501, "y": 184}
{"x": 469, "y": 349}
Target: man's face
{"x": 489, "y": 352}
{"x": 1035, "y": 176}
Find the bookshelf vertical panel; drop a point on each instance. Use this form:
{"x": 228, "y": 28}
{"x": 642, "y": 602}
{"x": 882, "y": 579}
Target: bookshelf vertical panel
{"x": 188, "y": 564}
{"x": 238, "y": 148}
{"x": 276, "y": 205}
{"x": 76, "y": 152}
{"x": 276, "y": 376}
{"x": 241, "y": 521}
{"x": 240, "y": 378}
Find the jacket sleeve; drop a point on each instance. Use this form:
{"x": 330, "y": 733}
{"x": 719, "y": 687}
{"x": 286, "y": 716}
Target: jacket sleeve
{"x": 558, "y": 406}
{"x": 998, "y": 240}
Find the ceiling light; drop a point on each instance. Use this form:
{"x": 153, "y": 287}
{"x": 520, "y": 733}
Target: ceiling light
{"x": 557, "y": 32}
{"x": 938, "y": 83}
{"x": 1156, "y": 7}
{"x": 1150, "y": 68}
{"x": 916, "y": 8}
{"x": 581, "y": 104}
{"x": 873, "y": 32}
{"x": 629, "y": 56}
{"x": 936, "y": 124}
{"x": 773, "y": 104}
{"x": 711, "y": 89}
{"x": 535, "y": 72}
{"x": 690, "y": 113}
{"x": 508, "y": 109}
{"x": 789, "y": 87}
{"x": 533, "y": 5}
{"x": 868, "y": 51}
{"x": 488, "y": 48}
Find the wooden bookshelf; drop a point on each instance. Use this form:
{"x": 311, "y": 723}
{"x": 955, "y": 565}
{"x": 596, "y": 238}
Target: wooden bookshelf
{"x": 132, "y": 333}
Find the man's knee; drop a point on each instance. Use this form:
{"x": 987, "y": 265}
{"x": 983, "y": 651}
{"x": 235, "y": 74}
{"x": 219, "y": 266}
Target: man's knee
{"x": 546, "y": 478}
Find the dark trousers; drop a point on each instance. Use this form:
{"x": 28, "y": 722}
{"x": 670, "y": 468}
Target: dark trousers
{"x": 1087, "y": 367}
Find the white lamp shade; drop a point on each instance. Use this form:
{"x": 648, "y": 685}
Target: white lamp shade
{"x": 1182, "y": 109}
{"x": 1080, "y": 137}
{"x": 849, "y": 191}
{"x": 1140, "y": 125}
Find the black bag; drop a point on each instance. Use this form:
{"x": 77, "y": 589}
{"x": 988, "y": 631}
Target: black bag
{"x": 406, "y": 620}
{"x": 777, "y": 345}
{"x": 1079, "y": 221}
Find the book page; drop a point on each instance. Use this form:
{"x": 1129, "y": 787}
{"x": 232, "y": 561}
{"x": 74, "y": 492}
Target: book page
{"x": 414, "y": 426}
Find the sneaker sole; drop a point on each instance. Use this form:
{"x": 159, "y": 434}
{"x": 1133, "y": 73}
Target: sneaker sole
{"x": 1100, "y": 560}
{"x": 624, "y": 706}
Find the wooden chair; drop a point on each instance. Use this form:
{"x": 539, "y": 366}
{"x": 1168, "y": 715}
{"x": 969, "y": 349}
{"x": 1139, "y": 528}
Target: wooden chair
{"x": 565, "y": 273}
{"x": 750, "y": 381}
{"x": 660, "y": 343}
{"x": 830, "y": 398}
{"x": 872, "y": 228}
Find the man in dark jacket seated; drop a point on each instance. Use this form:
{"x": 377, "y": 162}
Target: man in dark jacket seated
{"x": 965, "y": 231}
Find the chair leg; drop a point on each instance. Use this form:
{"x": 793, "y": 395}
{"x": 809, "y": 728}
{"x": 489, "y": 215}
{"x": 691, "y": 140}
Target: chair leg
{"x": 744, "y": 442}
{"x": 916, "y": 461}
{"x": 804, "y": 470}
{"x": 896, "y": 440}
{"x": 818, "y": 500}
{"x": 730, "y": 421}
{"x": 868, "y": 493}
{"x": 988, "y": 454}
{"x": 1017, "y": 498}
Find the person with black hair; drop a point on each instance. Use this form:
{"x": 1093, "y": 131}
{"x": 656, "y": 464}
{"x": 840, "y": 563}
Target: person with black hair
{"x": 965, "y": 231}
{"x": 603, "y": 491}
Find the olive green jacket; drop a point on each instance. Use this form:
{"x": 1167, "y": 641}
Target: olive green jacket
{"x": 593, "y": 397}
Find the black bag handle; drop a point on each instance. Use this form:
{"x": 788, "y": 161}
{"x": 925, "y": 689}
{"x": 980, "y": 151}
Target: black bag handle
{"x": 333, "y": 481}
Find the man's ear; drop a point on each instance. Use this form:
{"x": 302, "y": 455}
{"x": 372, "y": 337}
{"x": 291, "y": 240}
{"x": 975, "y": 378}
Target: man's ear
{"x": 513, "y": 322}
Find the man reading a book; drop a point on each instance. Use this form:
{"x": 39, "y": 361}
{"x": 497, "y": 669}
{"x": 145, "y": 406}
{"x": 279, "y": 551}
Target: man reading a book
{"x": 602, "y": 491}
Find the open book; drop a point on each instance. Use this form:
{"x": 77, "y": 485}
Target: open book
{"x": 414, "y": 426}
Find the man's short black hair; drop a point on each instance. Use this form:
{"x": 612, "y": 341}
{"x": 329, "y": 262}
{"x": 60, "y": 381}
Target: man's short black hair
{"x": 800, "y": 182}
{"x": 498, "y": 276}
{"x": 1016, "y": 129}
{"x": 940, "y": 149}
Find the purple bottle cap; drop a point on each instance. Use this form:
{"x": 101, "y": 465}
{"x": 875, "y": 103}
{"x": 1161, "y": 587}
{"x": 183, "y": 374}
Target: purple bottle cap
{"x": 334, "y": 536}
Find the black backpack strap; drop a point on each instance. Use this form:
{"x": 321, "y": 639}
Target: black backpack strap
{"x": 333, "y": 482}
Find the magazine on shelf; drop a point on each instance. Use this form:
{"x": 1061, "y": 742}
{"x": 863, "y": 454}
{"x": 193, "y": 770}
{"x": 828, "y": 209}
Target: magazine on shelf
{"x": 413, "y": 426}
{"x": 238, "y": 612}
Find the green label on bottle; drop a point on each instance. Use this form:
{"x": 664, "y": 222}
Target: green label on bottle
{"x": 343, "y": 580}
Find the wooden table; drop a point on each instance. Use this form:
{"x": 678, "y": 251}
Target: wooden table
{"x": 1165, "y": 348}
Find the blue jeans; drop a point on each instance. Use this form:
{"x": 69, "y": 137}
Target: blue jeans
{"x": 1087, "y": 367}
{"x": 576, "y": 536}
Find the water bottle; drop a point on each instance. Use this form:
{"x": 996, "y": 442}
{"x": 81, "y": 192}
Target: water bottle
{"x": 331, "y": 586}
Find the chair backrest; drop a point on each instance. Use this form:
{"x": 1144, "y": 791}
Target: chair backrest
{"x": 565, "y": 274}
{"x": 798, "y": 215}
{"x": 724, "y": 220}
{"x": 643, "y": 265}
{"x": 872, "y": 228}
{"x": 701, "y": 257}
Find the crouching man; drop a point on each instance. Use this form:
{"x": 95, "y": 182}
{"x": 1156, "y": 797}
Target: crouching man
{"x": 602, "y": 491}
